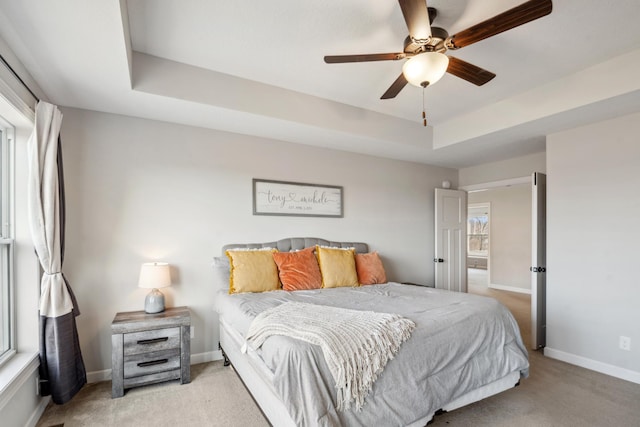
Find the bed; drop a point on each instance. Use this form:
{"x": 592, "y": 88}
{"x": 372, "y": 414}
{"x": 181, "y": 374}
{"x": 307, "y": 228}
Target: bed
{"x": 464, "y": 348}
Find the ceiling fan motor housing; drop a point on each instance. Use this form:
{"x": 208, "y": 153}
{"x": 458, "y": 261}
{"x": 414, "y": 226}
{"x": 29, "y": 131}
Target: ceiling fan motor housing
{"x": 434, "y": 44}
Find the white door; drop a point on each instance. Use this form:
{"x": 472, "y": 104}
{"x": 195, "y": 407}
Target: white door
{"x": 538, "y": 260}
{"x": 451, "y": 240}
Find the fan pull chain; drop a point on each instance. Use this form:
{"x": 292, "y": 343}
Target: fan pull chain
{"x": 424, "y": 114}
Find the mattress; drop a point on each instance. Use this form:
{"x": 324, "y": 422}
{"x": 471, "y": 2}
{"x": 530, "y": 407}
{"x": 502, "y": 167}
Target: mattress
{"x": 462, "y": 343}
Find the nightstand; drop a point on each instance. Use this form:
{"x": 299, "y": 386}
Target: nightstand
{"x": 150, "y": 348}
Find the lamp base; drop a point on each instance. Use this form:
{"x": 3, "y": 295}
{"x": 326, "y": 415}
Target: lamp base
{"x": 154, "y": 302}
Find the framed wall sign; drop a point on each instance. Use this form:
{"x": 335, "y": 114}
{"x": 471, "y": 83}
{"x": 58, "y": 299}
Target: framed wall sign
{"x": 296, "y": 199}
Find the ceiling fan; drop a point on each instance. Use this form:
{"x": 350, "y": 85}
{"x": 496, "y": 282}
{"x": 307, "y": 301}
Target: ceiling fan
{"x": 425, "y": 46}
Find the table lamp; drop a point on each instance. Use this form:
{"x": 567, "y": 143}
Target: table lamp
{"x": 154, "y": 275}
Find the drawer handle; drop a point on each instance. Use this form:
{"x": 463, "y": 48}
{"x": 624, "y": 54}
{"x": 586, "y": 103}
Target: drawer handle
{"x": 153, "y": 340}
{"x": 153, "y": 362}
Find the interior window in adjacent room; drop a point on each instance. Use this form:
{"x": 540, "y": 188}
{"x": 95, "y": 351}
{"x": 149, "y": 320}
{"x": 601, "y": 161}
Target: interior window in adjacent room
{"x": 478, "y": 235}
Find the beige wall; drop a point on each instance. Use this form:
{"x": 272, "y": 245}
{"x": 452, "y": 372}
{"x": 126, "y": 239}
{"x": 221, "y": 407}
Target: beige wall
{"x": 140, "y": 190}
{"x": 592, "y": 246}
{"x": 510, "y": 236}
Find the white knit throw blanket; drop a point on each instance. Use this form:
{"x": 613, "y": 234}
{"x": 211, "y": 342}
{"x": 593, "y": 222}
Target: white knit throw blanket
{"x": 356, "y": 344}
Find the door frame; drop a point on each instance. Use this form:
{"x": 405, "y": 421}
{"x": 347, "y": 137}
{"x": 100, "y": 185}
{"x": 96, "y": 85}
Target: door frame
{"x": 489, "y": 186}
{"x": 506, "y": 183}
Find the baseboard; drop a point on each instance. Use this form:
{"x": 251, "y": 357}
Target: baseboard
{"x": 208, "y": 356}
{"x": 594, "y": 365}
{"x": 105, "y": 375}
{"x": 98, "y": 376}
{"x": 509, "y": 288}
{"x": 35, "y": 417}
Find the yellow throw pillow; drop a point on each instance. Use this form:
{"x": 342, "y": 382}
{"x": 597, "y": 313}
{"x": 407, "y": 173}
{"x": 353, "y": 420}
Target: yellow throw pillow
{"x": 338, "y": 267}
{"x": 252, "y": 271}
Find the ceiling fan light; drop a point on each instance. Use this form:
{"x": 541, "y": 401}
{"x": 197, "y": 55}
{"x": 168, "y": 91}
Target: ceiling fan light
{"x": 426, "y": 67}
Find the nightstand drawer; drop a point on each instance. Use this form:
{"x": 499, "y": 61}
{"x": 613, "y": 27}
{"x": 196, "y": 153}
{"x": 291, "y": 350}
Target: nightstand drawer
{"x": 149, "y": 363}
{"x": 154, "y": 340}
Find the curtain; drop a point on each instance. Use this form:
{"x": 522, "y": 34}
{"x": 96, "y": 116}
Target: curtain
{"x": 62, "y": 370}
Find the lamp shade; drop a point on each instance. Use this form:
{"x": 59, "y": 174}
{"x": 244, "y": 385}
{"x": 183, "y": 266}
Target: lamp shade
{"x": 154, "y": 275}
{"x": 426, "y": 67}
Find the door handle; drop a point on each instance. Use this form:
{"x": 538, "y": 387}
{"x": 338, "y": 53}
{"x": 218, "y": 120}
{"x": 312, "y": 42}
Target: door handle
{"x": 438, "y": 260}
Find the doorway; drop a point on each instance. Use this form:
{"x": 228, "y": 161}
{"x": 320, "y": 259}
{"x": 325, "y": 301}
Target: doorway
{"x": 508, "y": 249}
{"x": 478, "y": 229}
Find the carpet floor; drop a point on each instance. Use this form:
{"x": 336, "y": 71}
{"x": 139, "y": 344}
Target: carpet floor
{"x": 556, "y": 394}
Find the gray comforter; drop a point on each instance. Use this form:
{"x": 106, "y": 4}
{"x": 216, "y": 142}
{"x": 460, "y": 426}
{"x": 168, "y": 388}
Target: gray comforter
{"x": 461, "y": 342}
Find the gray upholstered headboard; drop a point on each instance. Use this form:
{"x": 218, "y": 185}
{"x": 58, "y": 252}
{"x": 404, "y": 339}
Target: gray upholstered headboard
{"x": 297, "y": 243}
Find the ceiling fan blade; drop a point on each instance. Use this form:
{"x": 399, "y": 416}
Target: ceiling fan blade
{"x": 416, "y": 15}
{"x": 395, "y": 88}
{"x": 338, "y": 59}
{"x": 469, "y": 72}
{"x": 519, "y": 15}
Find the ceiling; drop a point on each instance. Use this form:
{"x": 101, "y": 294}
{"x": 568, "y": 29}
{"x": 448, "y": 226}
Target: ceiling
{"x": 256, "y": 68}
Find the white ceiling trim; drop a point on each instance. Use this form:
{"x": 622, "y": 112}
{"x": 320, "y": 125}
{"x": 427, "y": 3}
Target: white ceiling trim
{"x": 172, "y": 79}
{"x": 600, "y": 82}
{"x": 126, "y": 33}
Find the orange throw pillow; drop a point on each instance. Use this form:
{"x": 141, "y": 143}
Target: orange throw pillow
{"x": 370, "y": 270}
{"x": 298, "y": 270}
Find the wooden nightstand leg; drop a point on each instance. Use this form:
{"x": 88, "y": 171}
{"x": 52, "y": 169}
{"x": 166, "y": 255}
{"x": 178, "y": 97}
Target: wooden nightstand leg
{"x": 185, "y": 354}
{"x": 117, "y": 365}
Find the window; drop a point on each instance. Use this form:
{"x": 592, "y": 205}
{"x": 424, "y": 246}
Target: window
{"x": 478, "y": 232}
{"x": 478, "y": 236}
{"x": 7, "y": 344}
